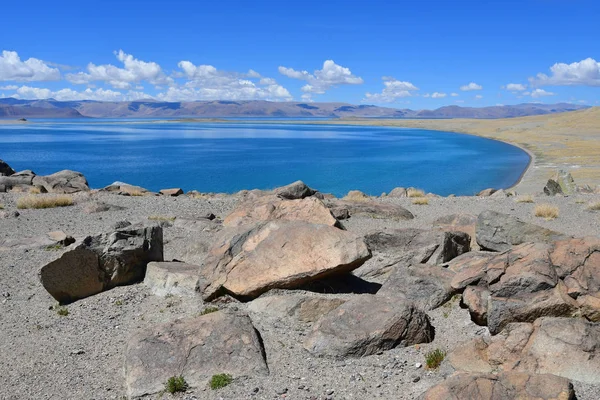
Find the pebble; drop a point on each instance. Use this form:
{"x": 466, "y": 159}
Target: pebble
{"x": 418, "y": 365}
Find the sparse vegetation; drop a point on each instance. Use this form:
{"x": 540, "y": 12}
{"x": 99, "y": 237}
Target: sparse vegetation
{"x": 356, "y": 195}
{"x": 44, "y": 201}
{"x": 412, "y": 192}
{"x": 579, "y": 201}
{"x": 161, "y": 218}
{"x": 421, "y": 201}
{"x": 1, "y": 206}
{"x": 61, "y": 310}
{"x": 595, "y": 206}
{"x": 434, "y": 358}
{"x": 527, "y": 198}
{"x": 54, "y": 247}
{"x": 220, "y": 381}
{"x": 118, "y": 303}
{"x": 135, "y": 193}
{"x": 35, "y": 190}
{"x": 209, "y": 310}
{"x": 546, "y": 211}
{"x": 176, "y": 384}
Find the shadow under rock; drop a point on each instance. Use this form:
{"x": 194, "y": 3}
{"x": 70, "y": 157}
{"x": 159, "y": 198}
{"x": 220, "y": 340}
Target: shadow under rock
{"x": 346, "y": 283}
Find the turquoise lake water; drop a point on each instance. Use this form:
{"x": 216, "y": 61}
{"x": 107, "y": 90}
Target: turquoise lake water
{"x": 227, "y": 157}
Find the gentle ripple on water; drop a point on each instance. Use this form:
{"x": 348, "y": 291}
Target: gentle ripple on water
{"x": 215, "y": 157}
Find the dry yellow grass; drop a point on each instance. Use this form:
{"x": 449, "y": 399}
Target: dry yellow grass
{"x": 547, "y": 211}
{"x": 421, "y": 201}
{"x": 356, "y": 195}
{"x": 412, "y": 192}
{"x": 50, "y": 201}
{"x": 595, "y": 206}
{"x": 161, "y": 218}
{"x": 524, "y": 199}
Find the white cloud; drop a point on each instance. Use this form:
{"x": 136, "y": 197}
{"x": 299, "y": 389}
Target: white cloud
{"x": 516, "y": 87}
{"x": 454, "y": 94}
{"x": 393, "y": 90}
{"x": 426, "y": 95}
{"x": 323, "y": 79}
{"x": 537, "y": 93}
{"x": 471, "y": 86}
{"x": 478, "y": 96}
{"x": 437, "y": 95}
{"x": 31, "y": 93}
{"x": 32, "y": 69}
{"x": 9, "y": 87}
{"x": 205, "y": 82}
{"x": 583, "y": 73}
{"x": 135, "y": 71}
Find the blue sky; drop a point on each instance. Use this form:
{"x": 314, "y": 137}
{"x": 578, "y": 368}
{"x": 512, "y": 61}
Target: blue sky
{"x": 405, "y": 54}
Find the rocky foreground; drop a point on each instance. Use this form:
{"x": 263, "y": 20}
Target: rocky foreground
{"x": 295, "y": 294}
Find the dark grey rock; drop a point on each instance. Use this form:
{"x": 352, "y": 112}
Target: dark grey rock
{"x": 296, "y": 190}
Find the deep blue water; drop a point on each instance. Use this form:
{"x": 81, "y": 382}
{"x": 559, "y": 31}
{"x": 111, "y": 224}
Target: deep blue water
{"x": 214, "y": 157}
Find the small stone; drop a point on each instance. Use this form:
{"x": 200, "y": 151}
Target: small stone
{"x": 416, "y": 378}
{"x": 281, "y": 391}
{"x": 255, "y": 390}
{"x": 418, "y": 365}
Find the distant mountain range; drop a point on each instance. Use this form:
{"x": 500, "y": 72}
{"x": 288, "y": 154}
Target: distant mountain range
{"x": 50, "y": 108}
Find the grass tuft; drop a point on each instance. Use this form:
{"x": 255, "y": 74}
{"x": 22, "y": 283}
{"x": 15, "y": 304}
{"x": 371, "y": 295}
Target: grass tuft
{"x": 421, "y": 201}
{"x": 209, "y": 310}
{"x": 220, "y": 381}
{"x": 32, "y": 201}
{"x": 176, "y": 384}
{"x": 1, "y": 206}
{"x": 61, "y": 310}
{"x": 524, "y": 199}
{"x": 412, "y": 192}
{"x": 546, "y": 211}
{"x": 594, "y": 206}
{"x": 434, "y": 358}
{"x": 356, "y": 196}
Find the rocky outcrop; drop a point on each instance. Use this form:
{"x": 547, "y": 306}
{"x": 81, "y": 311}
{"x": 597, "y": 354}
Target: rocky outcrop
{"x": 552, "y": 188}
{"x": 411, "y": 246}
{"x": 63, "y": 182}
{"x": 372, "y": 209}
{"x": 427, "y": 286}
{"x": 499, "y": 232}
{"x": 486, "y": 192}
{"x": 459, "y": 222}
{"x": 503, "y": 386}
{"x": 171, "y": 192}
{"x": 567, "y": 347}
{"x": 195, "y": 348}
{"x": 5, "y": 169}
{"x": 303, "y": 307}
{"x": 171, "y": 278}
{"x": 366, "y": 325}
{"x": 565, "y": 181}
{"x": 249, "y": 260}
{"x": 102, "y": 262}
{"x": 126, "y": 189}
{"x": 398, "y": 192}
{"x": 294, "y": 191}
{"x": 267, "y": 208}
{"x": 530, "y": 281}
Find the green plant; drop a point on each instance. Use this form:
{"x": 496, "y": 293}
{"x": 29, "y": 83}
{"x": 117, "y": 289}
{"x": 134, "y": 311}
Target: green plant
{"x": 434, "y": 358}
{"x": 61, "y": 310}
{"x": 54, "y": 247}
{"x": 209, "y": 310}
{"x": 118, "y": 303}
{"x": 220, "y": 381}
{"x": 176, "y": 384}
{"x": 1, "y": 206}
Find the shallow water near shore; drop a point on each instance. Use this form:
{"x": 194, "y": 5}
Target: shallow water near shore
{"x": 228, "y": 157}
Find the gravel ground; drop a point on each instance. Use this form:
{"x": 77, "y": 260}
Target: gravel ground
{"x": 80, "y": 356}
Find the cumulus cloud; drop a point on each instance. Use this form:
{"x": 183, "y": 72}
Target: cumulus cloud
{"x": 206, "y": 82}
{"x": 454, "y": 94}
{"x": 516, "y": 87}
{"x": 134, "y": 71}
{"x": 437, "y": 95}
{"x": 537, "y": 93}
{"x": 582, "y": 73}
{"x": 321, "y": 80}
{"x": 12, "y": 68}
{"x": 392, "y": 91}
{"x": 471, "y": 86}
{"x": 31, "y": 93}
